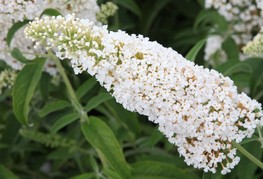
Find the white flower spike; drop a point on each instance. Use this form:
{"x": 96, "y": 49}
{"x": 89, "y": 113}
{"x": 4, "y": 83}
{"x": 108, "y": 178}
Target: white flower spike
{"x": 197, "y": 109}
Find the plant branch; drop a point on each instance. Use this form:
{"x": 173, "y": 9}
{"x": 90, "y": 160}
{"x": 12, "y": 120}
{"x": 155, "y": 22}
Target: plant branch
{"x": 248, "y": 155}
{"x": 71, "y": 92}
{"x": 260, "y": 136}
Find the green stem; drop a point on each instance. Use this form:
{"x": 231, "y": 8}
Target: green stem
{"x": 71, "y": 92}
{"x": 248, "y": 155}
{"x": 260, "y": 136}
{"x": 26, "y": 53}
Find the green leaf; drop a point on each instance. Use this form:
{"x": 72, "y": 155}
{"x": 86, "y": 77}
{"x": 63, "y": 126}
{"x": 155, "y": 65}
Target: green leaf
{"x": 231, "y": 49}
{"x": 125, "y": 117}
{"x": 6, "y": 173}
{"x": 9, "y": 136}
{"x": 97, "y": 100}
{"x": 3, "y": 65}
{"x": 208, "y": 17}
{"x": 186, "y": 38}
{"x": 111, "y": 173}
{"x": 237, "y": 69}
{"x": 256, "y": 81}
{"x": 63, "y": 121}
{"x": 84, "y": 176}
{"x": 150, "y": 12}
{"x": 210, "y": 175}
{"x": 191, "y": 55}
{"x": 247, "y": 169}
{"x": 85, "y": 87}
{"x": 203, "y": 17}
{"x": 155, "y": 137}
{"x": 44, "y": 85}
{"x": 225, "y": 66}
{"x": 15, "y": 27}
{"x": 131, "y": 5}
{"x": 16, "y": 53}
{"x": 24, "y": 87}
{"x": 54, "y": 106}
{"x": 201, "y": 3}
{"x": 258, "y": 95}
{"x": 60, "y": 154}
{"x": 158, "y": 170}
{"x": 3, "y": 146}
{"x": 239, "y": 72}
{"x": 241, "y": 80}
{"x": 50, "y": 12}
{"x": 101, "y": 137}
{"x": 94, "y": 164}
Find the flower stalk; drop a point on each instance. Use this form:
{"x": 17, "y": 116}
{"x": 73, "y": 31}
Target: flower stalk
{"x": 72, "y": 95}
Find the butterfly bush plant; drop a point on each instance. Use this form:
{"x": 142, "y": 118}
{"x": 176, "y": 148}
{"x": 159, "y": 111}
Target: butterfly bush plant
{"x": 98, "y": 101}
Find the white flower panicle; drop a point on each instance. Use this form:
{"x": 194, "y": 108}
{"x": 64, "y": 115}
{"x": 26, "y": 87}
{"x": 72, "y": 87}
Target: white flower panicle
{"x": 7, "y": 79}
{"x": 18, "y": 10}
{"x": 197, "y": 109}
{"x": 244, "y": 17}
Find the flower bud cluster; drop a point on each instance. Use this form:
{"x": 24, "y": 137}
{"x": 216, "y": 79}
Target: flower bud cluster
{"x": 106, "y": 10}
{"x": 12, "y": 11}
{"x": 197, "y": 109}
{"x": 7, "y": 79}
{"x": 255, "y": 47}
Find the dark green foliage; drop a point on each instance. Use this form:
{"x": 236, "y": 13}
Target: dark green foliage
{"x": 113, "y": 142}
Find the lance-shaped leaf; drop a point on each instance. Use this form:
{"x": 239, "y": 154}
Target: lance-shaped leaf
{"x": 85, "y": 87}
{"x": 50, "y": 12}
{"x": 97, "y": 100}
{"x": 15, "y": 27}
{"x": 24, "y": 87}
{"x": 16, "y": 53}
{"x": 191, "y": 55}
{"x": 64, "y": 121}
{"x": 101, "y": 137}
{"x": 131, "y": 5}
{"x": 54, "y": 106}
{"x": 158, "y": 170}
